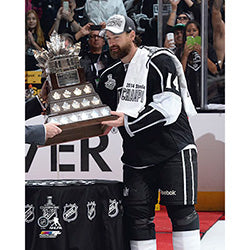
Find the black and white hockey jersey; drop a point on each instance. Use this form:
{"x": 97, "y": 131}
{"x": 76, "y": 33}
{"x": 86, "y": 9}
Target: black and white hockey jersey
{"x": 161, "y": 128}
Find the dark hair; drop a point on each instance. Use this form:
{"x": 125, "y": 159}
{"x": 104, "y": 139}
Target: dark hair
{"x": 189, "y": 22}
{"x": 137, "y": 41}
{"x": 68, "y": 36}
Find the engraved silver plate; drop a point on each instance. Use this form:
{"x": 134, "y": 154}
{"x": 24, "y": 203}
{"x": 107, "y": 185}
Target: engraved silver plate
{"x": 87, "y": 89}
{"x": 68, "y": 78}
{"x": 105, "y": 111}
{"x": 94, "y": 114}
{"x": 85, "y": 102}
{"x": 75, "y": 104}
{"x": 77, "y": 91}
{"x": 67, "y": 94}
{"x": 56, "y": 96}
{"x": 66, "y": 106}
{"x": 95, "y": 100}
{"x": 56, "y": 108}
{"x": 74, "y": 118}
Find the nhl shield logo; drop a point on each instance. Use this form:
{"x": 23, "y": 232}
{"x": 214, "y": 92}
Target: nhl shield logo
{"x": 110, "y": 84}
{"x": 113, "y": 208}
{"x": 70, "y": 212}
{"x": 29, "y": 213}
{"x": 91, "y": 207}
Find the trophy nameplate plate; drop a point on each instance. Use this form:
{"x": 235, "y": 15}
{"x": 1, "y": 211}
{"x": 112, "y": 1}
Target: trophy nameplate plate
{"x": 79, "y": 79}
{"x": 67, "y": 78}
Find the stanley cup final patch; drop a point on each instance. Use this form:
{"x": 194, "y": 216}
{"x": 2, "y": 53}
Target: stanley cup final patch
{"x": 70, "y": 212}
{"x": 91, "y": 210}
{"x": 49, "y": 221}
{"x": 110, "y": 83}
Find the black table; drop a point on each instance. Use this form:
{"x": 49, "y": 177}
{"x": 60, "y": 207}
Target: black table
{"x": 74, "y": 215}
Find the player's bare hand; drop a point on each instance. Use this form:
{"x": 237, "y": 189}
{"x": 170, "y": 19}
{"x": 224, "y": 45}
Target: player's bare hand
{"x": 115, "y": 123}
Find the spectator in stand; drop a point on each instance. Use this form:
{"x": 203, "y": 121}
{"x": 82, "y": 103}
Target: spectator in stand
{"x": 194, "y": 8}
{"x": 183, "y": 18}
{"x": 28, "y": 5}
{"x": 182, "y": 15}
{"x": 174, "y": 33}
{"x": 34, "y": 39}
{"x": 96, "y": 58}
{"x": 215, "y": 19}
{"x": 69, "y": 39}
{"x": 146, "y": 23}
{"x": 99, "y": 11}
{"x": 178, "y": 31}
{"x": 132, "y": 6}
{"x": 191, "y": 62}
{"x": 67, "y": 21}
{"x": 46, "y": 10}
{"x": 218, "y": 32}
{"x": 72, "y": 21}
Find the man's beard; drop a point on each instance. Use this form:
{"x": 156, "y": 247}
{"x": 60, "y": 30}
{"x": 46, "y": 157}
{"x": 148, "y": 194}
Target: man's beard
{"x": 121, "y": 52}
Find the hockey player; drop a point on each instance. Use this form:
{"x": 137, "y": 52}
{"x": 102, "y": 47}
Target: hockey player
{"x": 147, "y": 88}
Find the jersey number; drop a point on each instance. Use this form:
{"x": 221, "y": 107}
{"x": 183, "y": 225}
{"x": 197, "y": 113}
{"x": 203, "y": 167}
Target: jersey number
{"x": 175, "y": 82}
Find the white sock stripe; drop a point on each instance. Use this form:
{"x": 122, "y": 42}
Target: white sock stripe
{"x": 143, "y": 244}
{"x": 188, "y": 240}
{"x": 192, "y": 172}
{"x": 184, "y": 178}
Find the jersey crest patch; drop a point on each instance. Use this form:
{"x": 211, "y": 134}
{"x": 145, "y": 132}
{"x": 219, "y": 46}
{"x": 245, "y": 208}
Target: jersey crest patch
{"x": 111, "y": 83}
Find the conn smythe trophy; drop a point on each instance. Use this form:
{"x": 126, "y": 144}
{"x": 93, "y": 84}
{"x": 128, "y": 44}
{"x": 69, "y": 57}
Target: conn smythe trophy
{"x": 72, "y": 102}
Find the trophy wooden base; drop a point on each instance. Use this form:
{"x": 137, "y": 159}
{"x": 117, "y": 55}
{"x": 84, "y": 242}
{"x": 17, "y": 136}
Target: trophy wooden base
{"x": 81, "y": 130}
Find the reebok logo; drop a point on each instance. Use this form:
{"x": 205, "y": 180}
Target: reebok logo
{"x": 166, "y": 192}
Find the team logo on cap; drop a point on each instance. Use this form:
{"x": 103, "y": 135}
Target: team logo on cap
{"x": 70, "y": 212}
{"x": 113, "y": 208}
{"x": 91, "y": 207}
{"x": 29, "y": 213}
{"x": 115, "y": 21}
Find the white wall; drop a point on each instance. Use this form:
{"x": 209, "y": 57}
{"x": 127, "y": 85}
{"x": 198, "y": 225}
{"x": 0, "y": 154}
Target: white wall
{"x": 209, "y": 133}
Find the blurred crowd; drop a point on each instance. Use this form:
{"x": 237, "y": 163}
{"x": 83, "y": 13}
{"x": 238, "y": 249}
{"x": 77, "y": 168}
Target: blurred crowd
{"x": 82, "y": 20}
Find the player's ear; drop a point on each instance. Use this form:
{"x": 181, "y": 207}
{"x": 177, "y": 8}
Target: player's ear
{"x": 132, "y": 35}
